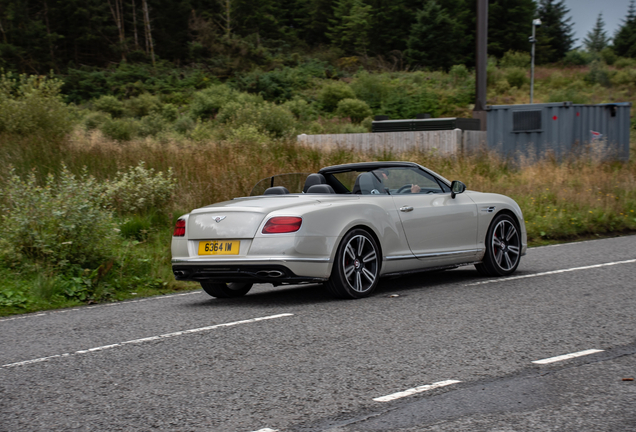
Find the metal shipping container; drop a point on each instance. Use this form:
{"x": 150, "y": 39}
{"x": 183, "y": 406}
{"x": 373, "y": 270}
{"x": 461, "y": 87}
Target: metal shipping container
{"x": 563, "y": 129}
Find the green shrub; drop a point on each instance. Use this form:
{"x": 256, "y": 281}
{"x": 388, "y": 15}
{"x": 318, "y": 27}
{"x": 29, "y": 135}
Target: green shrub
{"x": 493, "y": 74}
{"x": 624, "y": 62}
{"x": 94, "y": 120}
{"x": 458, "y": 74}
{"x": 515, "y": 59}
{"x": 13, "y": 297}
{"x": 367, "y": 124}
{"x": 139, "y": 190}
{"x": 301, "y": 109}
{"x": 502, "y": 86}
{"x": 184, "y": 124}
{"x": 516, "y": 76}
{"x": 138, "y": 226}
{"x": 333, "y": 93}
{"x": 371, "y": 88}
{"x": 248, "y": 134}
{"x": 353, "y": 128}
{"x": 230, "y": 111}
{"x": 572, "y": 94}
{"x": 169, "y": 111}
{"x": 207, "y": 103}
{"x": 403, "y": 104}
{"x": 119, "y": 129}
{"x": 625, "y": 77}
{"x": 110, "y": 105}
{"x": 579, "y": 58}
{"x": 151, "y": 125}
{"x": 609, "y": 56}
{"x": 276, "y": 86}
{"x": 60, "y": 224}
{"x": 266, "y": 117}
{"x": 32, "y": 104}
{"x": 143, "y": 105}
{"x": 355, "y": 109}
{"x": 598, "y": 74}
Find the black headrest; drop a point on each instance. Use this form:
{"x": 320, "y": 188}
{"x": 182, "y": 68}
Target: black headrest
{"x": 314, "y": 179}
{"x": 320, "y": 189}
{"x": 367, "y": 183}
{"x": 276, "y": 190}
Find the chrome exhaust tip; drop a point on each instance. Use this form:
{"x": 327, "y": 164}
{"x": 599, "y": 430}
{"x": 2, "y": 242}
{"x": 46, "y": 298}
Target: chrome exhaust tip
{"x": 270, "y": 273}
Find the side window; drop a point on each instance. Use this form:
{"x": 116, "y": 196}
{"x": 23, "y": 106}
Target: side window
{"x": 409, "y": 180}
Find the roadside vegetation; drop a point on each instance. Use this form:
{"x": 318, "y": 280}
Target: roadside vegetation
{"x": 91, "y": 183}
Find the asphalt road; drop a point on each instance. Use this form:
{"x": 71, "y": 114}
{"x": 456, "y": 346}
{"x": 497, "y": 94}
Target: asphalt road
{"x": 452, "y": 350}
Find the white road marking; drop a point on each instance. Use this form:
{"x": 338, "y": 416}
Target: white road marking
{"x": 267, "y": 430}
{"x": 121, "y": 303}
{"x": 567, "y": 356}
{"x": 136, "y": 341}
{"x": 415, "y": 390}
{"x": 553, "y": 272}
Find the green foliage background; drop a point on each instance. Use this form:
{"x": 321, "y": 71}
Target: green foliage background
{"x": 102, "y": 146}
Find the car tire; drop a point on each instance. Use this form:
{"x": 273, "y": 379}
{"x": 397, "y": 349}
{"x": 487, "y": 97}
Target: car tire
{"x": 356, "y": 269}
{"x": 226, "y": 290}
{"x": 503, "y": 247}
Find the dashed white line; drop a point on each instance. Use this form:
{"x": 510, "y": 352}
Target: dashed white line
{"x": 553, "y": 272}
{"x": 121, "y": 303}
{"x": 415, "y": 390}
{"x": 152, "y": 338}
{"x": 567, "y": 356}
{"x": 267, "y": 430}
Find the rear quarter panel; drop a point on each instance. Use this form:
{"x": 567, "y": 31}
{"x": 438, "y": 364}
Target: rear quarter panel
{"x": 327, "y": 221}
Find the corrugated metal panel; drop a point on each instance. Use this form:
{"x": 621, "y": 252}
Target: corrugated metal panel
{"x": 536, "y": 130}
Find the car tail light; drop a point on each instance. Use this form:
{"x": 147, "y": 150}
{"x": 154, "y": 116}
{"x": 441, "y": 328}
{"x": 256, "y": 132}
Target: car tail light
{"x": 282, "y": 224}
{"x": 179, "y": 229}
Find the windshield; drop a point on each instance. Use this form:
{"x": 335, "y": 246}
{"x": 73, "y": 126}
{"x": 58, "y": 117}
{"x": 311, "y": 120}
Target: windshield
{"x": 389, "y": 180}
{"x": 293, "y": 182}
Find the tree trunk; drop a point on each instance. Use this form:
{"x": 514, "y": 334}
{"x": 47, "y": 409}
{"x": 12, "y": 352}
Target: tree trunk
{"x": 4, "y": 35}
{"x": 148, "y": 32}
{"x": 134, "y": 11}
{"x": 119, "y": 21}
{"x": 48, "y": 31}
{"x": 226, "y": 26}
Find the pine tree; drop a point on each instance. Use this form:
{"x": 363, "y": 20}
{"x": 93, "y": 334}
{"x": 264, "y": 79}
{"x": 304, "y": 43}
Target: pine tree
{"x": 435, "y": 40}
{"x": 392, "y": 21}
{"x": 509, "y": 25}
{"x": 351, "y": 26}
{"x": 625, "y": 37}
{"x": 596, "y": 38}
{"x": 555, "y": 36}
{"x": 314, "y": 21}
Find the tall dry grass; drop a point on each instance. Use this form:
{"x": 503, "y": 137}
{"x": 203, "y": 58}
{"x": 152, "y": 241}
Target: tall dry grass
{"x": 560, "y": 200}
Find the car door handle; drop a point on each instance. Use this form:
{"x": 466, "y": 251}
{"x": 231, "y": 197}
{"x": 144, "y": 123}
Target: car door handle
{"x": 406, "y": 209}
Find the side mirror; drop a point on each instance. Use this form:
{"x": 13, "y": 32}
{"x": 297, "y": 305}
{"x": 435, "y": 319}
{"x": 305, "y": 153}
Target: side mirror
{"x": 457, "y": 187}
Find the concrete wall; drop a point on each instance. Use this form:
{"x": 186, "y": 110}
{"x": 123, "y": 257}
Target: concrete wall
{"x": 445, "y": 142}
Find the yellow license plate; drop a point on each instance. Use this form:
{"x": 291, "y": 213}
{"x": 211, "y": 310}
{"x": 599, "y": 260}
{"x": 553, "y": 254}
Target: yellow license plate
{"x": 219, "y": 247}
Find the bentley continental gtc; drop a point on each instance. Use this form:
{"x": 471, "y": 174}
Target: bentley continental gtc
{"x": 346, "y": 227}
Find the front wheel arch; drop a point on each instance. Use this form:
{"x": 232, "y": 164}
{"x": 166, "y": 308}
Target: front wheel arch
{"x": 503, "y": 244}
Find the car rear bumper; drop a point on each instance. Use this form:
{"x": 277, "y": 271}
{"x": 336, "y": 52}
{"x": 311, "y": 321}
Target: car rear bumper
{"x": 270, "y": 270}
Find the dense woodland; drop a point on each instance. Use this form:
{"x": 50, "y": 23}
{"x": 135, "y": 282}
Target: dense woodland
{"x": 230, "y": 37}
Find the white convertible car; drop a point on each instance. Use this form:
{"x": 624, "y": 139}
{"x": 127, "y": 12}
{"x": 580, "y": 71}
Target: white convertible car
{"x": 347, "y": 226}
